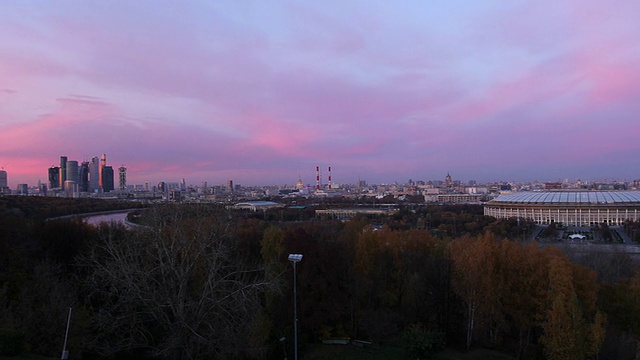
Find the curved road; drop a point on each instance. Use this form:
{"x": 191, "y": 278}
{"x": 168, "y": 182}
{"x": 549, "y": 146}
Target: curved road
{"x": 120, "y": 217}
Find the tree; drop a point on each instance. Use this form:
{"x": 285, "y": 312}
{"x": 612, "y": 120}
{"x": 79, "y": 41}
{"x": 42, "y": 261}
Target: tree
{"x": 573, "y": 328}
{"x": 473, "y": 279}
{"x": 177, "y": 289}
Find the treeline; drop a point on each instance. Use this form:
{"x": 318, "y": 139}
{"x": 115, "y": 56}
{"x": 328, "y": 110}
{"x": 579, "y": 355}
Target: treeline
{"x": 38, "y": 208}
{"x": 200, "y": 282}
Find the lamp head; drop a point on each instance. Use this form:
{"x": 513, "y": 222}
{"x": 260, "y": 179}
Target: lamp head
{"x": 295, "y": 257}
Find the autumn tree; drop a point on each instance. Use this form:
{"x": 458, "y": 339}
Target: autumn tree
{"x": 473, "y": 277}
{"x": 572, "y": 326}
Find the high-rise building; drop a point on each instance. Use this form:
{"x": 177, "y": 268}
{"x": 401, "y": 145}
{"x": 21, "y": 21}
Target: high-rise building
{"x": 83, "y": 176}
{"x": 63, "y": 171}
{"x": 23, "y": 189}
{"x": 3, "y": 180}
{"x": 103, "y": 163}
{"x": 94, "y": 174}
{"x": 448, "y": 181}
{"x": 123, "y": 178}
{"x": 230, "y": 185}
{"x": 107, "y": 178}
{"x": 72, "y": 171}
{"x": 54, "y": 177}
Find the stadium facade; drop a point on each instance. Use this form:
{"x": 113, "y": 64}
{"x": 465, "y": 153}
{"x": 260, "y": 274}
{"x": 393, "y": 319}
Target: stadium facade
{"x": 571, "y": 208}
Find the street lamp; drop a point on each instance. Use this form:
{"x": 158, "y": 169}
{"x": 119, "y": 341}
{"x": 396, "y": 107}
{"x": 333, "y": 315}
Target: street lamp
{"x": 284, "y": 350}
{"x": 295, "y": 258}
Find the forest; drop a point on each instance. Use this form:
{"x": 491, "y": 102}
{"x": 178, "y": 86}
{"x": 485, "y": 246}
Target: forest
{"x": 205, "y": 282}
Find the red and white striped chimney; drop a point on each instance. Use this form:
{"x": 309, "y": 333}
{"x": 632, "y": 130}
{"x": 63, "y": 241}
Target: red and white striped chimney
{"x": 329, "y": 177}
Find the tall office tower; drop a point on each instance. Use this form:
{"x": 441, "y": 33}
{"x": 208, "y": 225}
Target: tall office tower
{"x": 3, "y": 180}
{"x": 72, "y": 171}
{"x": 94, "y": 174}
{"x": 230, "y": 185}
{"x": 103, "y": 163}
{"x": 123, "y": 177}
{"x": 54, "y": 177}
{"x": 63, "y": 171}
{"x": 146, "y": 186}
{"x": 83, "y": 177}
{"x": 183, "y": 184}
{"x": 107, "y": 178}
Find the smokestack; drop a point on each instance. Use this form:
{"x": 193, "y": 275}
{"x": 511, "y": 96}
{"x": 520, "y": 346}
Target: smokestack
{"x": 329, "y": 177}
{"x": 317, "y": 177}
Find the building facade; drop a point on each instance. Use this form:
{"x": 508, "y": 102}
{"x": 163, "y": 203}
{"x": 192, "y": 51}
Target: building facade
{"x": 571, "y": 208}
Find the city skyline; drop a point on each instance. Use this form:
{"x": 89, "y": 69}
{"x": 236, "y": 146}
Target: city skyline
{"x": 261, "y": 93}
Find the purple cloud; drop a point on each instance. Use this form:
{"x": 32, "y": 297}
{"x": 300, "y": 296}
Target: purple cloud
{"x": 260, "y": 93}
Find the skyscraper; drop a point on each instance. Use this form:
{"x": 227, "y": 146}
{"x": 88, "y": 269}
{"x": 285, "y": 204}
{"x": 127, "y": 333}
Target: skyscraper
{"x": 107, "y": 178}
{"x": 83, "y": 177}
{"x": 94, "y": 174}
{"x": 72, "y": 171}
{"x": 103, "y": 163}
{"x": 123, "y": 178}
{"x": 63, "y": 171}
{"x": 54, "y": 177}
{"x": 3, "y": 181}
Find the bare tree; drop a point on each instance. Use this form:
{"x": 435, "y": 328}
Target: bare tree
{"x": 177, "y": 289}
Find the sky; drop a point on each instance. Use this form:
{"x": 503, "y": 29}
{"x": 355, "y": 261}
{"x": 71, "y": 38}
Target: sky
{"x": 262, "y": 92}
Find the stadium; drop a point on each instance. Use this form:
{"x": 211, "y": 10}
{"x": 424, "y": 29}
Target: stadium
{"x": 571, "y": 208}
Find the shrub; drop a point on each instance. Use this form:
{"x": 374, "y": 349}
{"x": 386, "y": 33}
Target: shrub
{"x": 422, "y": 344}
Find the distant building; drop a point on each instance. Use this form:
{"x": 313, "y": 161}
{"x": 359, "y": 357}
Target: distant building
{"x": 83, "y": 177}
{"x": 257, "y": 205}
{"x": 3, "y": 180}
{"x": 54, "y": 177}
{"x": 349, "y": 213}
{"x": 448, "y": 181}
{"x": 72, "y": 171}
{"x": 571, "y": 208}
{"x": 107, "y": 179}
{"x": 103, "y": 163}
{"x": 175, "y": 195}
{"x": 453, "y": 198}
{"x": 94, "y": 174}
{"x": 552, "y": 186}
{"x": 62, "y": 171}
{"x": 122, "y": 171}
{"x": 22, "y": 189}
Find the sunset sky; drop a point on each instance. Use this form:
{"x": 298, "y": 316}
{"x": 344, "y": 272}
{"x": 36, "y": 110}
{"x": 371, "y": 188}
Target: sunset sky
{"x": 261, "y": 92}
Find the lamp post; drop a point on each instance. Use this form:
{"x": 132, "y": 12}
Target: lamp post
{"x": 284, "y": 349}
{"x": 295, "y": 258}
{"x": 65, "y": 352}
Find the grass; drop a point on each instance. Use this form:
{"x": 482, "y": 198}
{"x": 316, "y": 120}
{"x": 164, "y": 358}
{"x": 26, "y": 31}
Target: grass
{"x": 343, "y": 352}
{"x": 27, "y": 357}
